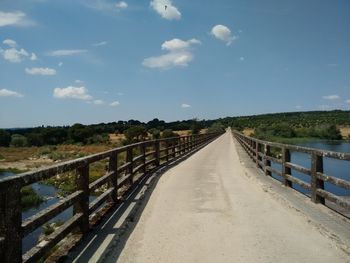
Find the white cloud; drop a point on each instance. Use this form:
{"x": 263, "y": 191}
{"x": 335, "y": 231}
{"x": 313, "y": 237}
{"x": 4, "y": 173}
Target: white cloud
{"x": 33, "y": 57}
{"x": 41, "y": 71}
{"x": 166, "y": 9}
{"x": 9, "y": 93}
{"x": 66, "y": 52}
{"x": 241, "y": 58}
{"x": 98, "y": 102}
{"x": 100, "y": 44}
{"x": 223, "y": 33}
{"x": 184, "y": 105}
{"x": 71, "y": 92}
{"x": 10, "y": 43}
{"x": 298, "y": 107}
{"x": 178, "y": 44}
{"x": 78, "y": 81}
{"x": 60, "y": 64}
{"x": 179, "y": 54}
{"x": 121, "y": 5}
{"x": 331, "y": 97}
{"x": 114, "y": 104}
{"x": 16, "y": 18}
{"x": 14, "y": 55}
{"x": 348, "y": 101}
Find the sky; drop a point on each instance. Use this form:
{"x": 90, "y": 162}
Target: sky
{"x": 91, "y": 61}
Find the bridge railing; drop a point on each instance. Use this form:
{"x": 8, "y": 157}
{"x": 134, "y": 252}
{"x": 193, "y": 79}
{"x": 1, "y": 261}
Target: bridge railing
{"x": 125, "y": 167}
{"x": 265, "y": 153}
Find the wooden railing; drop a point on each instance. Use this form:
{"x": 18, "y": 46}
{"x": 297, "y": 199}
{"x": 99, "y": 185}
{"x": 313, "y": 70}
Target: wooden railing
{"x": 260, "y": 152}
{"x": 126, "y": 166}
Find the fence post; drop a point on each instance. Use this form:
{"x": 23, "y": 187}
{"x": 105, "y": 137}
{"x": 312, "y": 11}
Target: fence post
{"x": 157, "y": 152}
{"x": 316, "y": 167}
{"x": 129, "y": 159}
{"x": 286, "y": 170}
{"x": 143, "y": 152}
{"x": 113, "y": 167}
{"x": 174, "y": 148}
{"x": 257, "y": 153}
{"x": 10, "y": 224}
{"x": 267, "y": 163}
{"x": 82, "y": 206}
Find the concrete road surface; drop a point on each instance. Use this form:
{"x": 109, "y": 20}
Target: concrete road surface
{"x": 206, "y": 209}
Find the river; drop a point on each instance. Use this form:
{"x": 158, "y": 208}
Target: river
{"x": 333, "y": 167}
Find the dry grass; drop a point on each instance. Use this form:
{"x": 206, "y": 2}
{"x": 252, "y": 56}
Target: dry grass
{"x": 248, "y": 131}
{"x": 345, "y": 131}
{"x": 116, "y": 138}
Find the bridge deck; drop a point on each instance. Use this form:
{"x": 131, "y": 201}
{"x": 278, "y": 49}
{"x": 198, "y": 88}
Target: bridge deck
{"x": 208, "y": 209}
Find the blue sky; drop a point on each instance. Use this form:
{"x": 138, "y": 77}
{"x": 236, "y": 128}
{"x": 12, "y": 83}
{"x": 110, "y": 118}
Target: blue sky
{"x": 92, "y": 61}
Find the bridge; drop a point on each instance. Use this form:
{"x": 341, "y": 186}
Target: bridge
{"x": 199, "y": 198}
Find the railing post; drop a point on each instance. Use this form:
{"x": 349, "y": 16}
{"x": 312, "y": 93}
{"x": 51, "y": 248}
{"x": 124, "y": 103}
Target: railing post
{"x": 257, "y": 153}
{"x": 113, "y": 167}
{"x": 267, "y": 163}
{"x": 82, "y": 206}
{"x": 286, "y": 170}
{"x": 129, "y": 159}
{"x": 316, "y": 167}
{"x": 174, "y": 148}
{"x": 157, "y": 152}
{"x": 10, "y": 224}
{"x": 167, "y": 150}
{"x": 143, "y": 152}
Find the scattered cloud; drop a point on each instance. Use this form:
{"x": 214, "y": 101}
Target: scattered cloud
{"x": 114, "y": 104}
{"x": 241, "y": 58}
{"x": 100, "y": 44}
{"x": 41, "y": 71}
{"x": 223, "y": 33}
{"x": 184, "y": 105}
{"x": 14, "y": 55}
{"x": 70, "y": 92}
{"x": 60, "y": 64}
{"x": 121, "y": 5}
{"x": 10, "y": 43}
{"x": 98, "y": 102}
{"x": 66, "y": 52}
{"x": 331, "y": 97}
{"x": 179, "y": 54}
{"x": 166, "y": 9}
{"x": 16, "y": 18}
{"x": 298, "y": 107}
{"x": 9, "y": 93}
{"x": 348, "y": 101}
{"x": 78, "y": 81}
{"x": 332, "y": 65}
{"x": 33, "y": 57}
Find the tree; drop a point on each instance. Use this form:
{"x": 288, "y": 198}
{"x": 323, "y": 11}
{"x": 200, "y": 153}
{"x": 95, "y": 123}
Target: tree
{"x": 80, "y": 133}
{"x": 18, "y": 140}
{"x": 135, "y": 133}
{"x": 216, "y": 127}
{"x": 5, "y": 138}
{"x": 155, "y": 133}
{"x": 195, "y": 127}
{"x": 168, "y": 133}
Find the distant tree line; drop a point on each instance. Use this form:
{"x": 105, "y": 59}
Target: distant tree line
{"x": 320, "y": 124}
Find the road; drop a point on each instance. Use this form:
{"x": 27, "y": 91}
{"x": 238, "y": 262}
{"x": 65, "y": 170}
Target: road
{"x": 206, "y": 209}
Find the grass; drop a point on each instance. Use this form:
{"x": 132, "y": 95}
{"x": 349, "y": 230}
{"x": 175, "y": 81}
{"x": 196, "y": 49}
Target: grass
{"x": 29, "y": 198}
